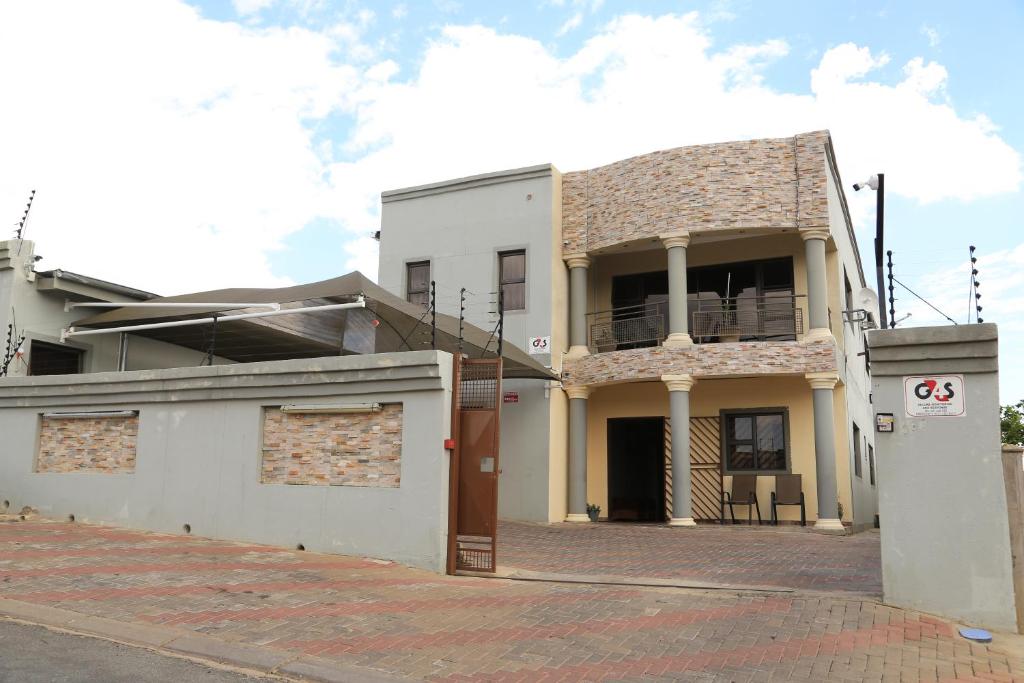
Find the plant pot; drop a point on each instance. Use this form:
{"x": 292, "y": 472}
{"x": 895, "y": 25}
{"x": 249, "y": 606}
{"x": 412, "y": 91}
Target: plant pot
{"x": 593, "y": 514}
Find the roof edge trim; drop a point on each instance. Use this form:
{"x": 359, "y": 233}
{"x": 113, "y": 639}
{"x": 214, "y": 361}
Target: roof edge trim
{"x": 468, "y": 182}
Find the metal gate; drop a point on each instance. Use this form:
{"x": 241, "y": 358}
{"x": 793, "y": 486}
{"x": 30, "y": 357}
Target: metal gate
{"x": 473, "y": 489}
{"x": 705, "y": 468}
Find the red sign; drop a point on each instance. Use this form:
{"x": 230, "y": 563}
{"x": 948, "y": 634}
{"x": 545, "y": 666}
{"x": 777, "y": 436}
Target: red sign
{"x": 510, "y": 397}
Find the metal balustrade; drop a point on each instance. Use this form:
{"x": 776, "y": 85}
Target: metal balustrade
{"x": 712, "y": 320}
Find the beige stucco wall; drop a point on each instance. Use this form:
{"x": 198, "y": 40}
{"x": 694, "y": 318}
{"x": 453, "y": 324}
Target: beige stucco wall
{"x": 708, "y": 397}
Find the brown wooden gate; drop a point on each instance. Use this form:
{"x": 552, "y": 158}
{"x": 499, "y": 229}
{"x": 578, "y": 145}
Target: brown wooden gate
{"x": 473, "y": 490}
{"x": 705, "y": 468}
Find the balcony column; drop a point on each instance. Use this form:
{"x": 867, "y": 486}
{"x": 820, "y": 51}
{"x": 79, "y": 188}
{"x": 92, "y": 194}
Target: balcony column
{"x": 578, "y": 266}
{"x": 679, "y": 411}
{"x": 677, "y": 313}
{"x": 817, "y": 284}
{"x": 577, "y": 453}
{"x": 822, "y": 385}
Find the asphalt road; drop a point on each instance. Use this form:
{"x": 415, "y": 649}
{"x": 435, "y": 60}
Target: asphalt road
{"x": 33, "y": 654}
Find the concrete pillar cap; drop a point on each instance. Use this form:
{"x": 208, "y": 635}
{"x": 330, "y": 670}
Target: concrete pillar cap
{"x": 822, "y": 380}
{"x": 580, "y": 391}
{"x": 681, "y": 239}
{"x": 679, "y": 382}
{"x": 815, "y": 233}
{"x": 577, "y": 261}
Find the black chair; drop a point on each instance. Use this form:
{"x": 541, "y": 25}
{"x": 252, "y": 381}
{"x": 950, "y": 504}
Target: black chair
{"x": 744, "y": 492}
{"x": 788, "y": 491}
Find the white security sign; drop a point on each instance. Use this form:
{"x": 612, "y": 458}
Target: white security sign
{"x": 539, "y": 345}
{"x": 934, "y": 395}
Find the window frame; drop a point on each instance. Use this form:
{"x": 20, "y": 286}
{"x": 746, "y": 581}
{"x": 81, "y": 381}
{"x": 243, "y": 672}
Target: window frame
{"x": 409, "y": 265}
{"x": 858, "y": 467}
{"x": 43, "y": 344}
{"x": 723, "y": 417}
{"x": 871, "y": 463}
{"x": 523, "y": 280}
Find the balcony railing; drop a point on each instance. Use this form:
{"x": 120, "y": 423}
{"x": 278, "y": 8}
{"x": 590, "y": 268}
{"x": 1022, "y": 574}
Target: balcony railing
{"x": 714, "y": 320}
{"x": 628, "y": 327}
{"x": 750, "y": 318}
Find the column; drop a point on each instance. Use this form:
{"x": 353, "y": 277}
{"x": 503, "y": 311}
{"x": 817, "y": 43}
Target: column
{"x": 677, "y": 313}
{"x": 577, "y": 454}
{"x": 817, "y": 285}
{"x": 679, "y": 410}
{"x": 578, "y": 305}
{"x": 822, "y": 384}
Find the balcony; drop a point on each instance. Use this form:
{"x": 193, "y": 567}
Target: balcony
{"x": 712, "y": 320}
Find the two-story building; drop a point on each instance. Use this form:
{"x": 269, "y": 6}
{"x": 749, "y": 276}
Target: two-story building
{"x": 704, "y": 306}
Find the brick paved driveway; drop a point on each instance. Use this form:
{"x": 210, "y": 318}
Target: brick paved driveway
{"x": 791, "y": 557}
{"x": 394, "y": 619}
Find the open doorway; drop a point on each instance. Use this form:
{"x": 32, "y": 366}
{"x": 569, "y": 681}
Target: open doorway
{"x": 636, "y": 469}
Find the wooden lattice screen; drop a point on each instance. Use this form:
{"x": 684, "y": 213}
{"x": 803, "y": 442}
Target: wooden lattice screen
{"x": 705, "y": 468}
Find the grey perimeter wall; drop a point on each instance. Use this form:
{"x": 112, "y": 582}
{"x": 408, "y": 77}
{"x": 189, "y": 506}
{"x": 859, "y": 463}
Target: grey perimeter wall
{"x": 199, "y": 454}
{"x": 942, "y": 500}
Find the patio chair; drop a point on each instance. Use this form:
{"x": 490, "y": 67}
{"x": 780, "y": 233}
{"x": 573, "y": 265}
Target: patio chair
{"x": 744, "y": 492}
{"x": 788, "y": 491}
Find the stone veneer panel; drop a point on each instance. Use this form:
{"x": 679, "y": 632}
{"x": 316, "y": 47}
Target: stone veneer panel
{"x": 766, "y": 183}
{"x": 78, "y": 444}
{"x": 360, "y": 449}
{"x": 701, "y": 360}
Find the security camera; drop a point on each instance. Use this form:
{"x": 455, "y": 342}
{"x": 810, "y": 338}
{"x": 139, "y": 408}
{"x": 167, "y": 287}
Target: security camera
{"x": 871, "y": 182}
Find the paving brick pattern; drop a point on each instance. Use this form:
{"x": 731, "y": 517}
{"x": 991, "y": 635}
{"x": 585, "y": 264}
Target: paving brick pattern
{"x": 786, "y": 556}
{"x": 407, "y": 622}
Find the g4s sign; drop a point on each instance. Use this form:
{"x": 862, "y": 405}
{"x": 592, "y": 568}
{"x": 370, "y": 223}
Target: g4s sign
{"x": 934, "y": 395}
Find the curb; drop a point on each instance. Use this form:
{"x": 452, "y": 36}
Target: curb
{"x": 178, "y": 642}
{"x": 513, "y": 574}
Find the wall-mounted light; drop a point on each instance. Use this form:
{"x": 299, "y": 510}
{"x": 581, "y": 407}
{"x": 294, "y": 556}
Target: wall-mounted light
{"x": 336, "y": 408}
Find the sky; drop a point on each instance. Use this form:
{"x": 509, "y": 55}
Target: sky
{"x": 179, "y": 146}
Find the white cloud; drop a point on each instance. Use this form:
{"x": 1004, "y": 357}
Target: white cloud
{"x": 247, "y": 7}
{"x": 932, "y": 34}
{"x": 175, "y": 153}
{"x": 571, "y": 23}
{"x": 399, "y": 11}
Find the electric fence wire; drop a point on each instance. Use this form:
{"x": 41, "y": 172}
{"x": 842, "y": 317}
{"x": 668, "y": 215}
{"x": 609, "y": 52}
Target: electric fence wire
{"x": 933, "y": 307}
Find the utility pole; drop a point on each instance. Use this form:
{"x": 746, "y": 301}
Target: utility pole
{"x": 880, "y": 245}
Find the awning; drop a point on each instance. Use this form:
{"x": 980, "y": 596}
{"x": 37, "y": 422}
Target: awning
{"x": 387, "y": 324}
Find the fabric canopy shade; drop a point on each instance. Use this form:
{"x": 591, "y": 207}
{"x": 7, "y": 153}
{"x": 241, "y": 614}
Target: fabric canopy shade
{"x": 387, "y": 324}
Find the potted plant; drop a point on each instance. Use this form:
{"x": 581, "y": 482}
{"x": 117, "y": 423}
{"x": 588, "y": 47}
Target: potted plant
{"x": 593, "y": 511}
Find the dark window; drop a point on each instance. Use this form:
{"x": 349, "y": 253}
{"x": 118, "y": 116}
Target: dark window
{"x": 417, "y": 282}
{"x": 512, "y": 279}
{"x": 849, "y": 290}
{"x": 857, "y": 467}
{"x": 755, "y": 297}
{"x": 53, "y": 359}
{"x": 871, "y": 463}
{"x": 641, "y": 297}
{"x": 756, "y": 441}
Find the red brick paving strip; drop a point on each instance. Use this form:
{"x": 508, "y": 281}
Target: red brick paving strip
{"x": 508, "y": 634}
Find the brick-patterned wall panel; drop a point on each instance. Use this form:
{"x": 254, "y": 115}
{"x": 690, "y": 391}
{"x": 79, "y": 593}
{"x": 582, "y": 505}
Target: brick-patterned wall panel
{"x": 100, "y": 444}
{"x": 702, "y": 360}
{"x": 749, "y": 184}
{"x": 360, "y": 449}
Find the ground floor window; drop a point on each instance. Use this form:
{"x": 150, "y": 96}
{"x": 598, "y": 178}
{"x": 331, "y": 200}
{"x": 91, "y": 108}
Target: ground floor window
{"x": 755, "y": 441}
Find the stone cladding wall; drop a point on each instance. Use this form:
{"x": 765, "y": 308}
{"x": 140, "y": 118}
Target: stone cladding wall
{"x": 732, "y": 185}
{"x": 362, "y": 449}
{"x": 100, "y": 444}
{"x": 701, "y": 360}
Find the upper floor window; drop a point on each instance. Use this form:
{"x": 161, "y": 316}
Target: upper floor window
{"x": 512, "y": 279}
{"x": 858, "y": 469}
{"x": 756, "y": 441}
{"x": 417, "y": 282}
{"x": 53, "y": 359}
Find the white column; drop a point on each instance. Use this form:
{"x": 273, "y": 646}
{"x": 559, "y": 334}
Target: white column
{"x": 817, "y": 284}
{"x": 677, "y": 308}
{"x": 822, "y": 386}
{"x": 679, "y": 409}
{"x": 578, "y": 266}
{"x": 577, "y": 453}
